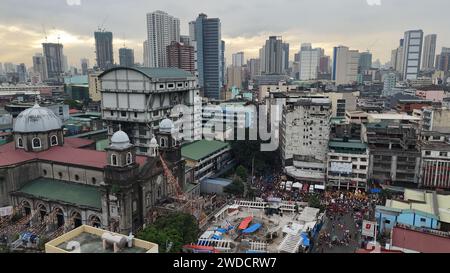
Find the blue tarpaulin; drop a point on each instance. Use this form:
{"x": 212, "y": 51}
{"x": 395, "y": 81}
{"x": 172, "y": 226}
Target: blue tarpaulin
{"x": 216, "y": 237}
{"x": 305, "y": 239}
{"x": 252, "y": 228}
{"x": 221, "y": 230}
{"x": 375, "y": 190}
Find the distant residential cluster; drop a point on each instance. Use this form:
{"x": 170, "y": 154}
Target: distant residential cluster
{"x": 96, "y": 155}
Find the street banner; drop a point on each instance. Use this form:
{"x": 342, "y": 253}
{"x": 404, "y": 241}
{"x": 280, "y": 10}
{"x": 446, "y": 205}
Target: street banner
{"x": 368, "y": 228}
{"x": 6, "y": 211}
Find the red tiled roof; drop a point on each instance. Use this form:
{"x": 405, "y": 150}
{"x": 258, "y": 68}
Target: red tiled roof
{"x": 75, "y": 142}
{"x": 63, "y": 154}
{"x": 419, "y": 241}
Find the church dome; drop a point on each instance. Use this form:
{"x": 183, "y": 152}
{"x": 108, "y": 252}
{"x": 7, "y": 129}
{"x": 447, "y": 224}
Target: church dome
{"x": 120, "y": 140}
{"x": 153, "y": 141}
{"x": 166, "y": 125}
{"x": 37, "y": 119}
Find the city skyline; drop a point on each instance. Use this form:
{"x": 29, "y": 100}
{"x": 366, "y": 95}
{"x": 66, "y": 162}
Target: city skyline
{"x": 75, "y": 25}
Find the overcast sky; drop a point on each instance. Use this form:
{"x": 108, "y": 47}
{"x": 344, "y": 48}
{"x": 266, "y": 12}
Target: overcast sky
{"x": 360, "y": 24}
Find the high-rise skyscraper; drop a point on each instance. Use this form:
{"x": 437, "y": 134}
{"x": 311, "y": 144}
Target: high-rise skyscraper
{"x": 442, "y": 60}
{"x": 65, "y": 64}
{"x": 53, "y": 54}
{"x": 84, "y": 66}
{"x": 365, "y": 61}
{"x": 104, "y": 49}
{"x": 162, "y": 29}
{"x": 185, "y": 40}
{"x": 146, "y": 57}
{"x": 285, "y": 58}
{"x": 22, "y": 72}
{"x": 126, "y": 57}
{"x": 253, "y": 67}
{"x": 1, "y": 69}
{"x": 39, "y": 66}
{"x": 325, "y": 64}
{"x": 238, "y": 59}
{"x": 345, "y": 65}
{"x": 429, "y": 51}
{"x": 309, "y": 61}
{"x": 209, "y": 47}
{"x": 412, "y": 54}
{"x": 181, "y": 56}
{"x": 223, "y": 80}
{"x": 271, "y": 56}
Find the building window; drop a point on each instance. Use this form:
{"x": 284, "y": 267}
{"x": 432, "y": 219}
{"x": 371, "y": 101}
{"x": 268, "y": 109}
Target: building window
{"x": 362, "y": 167}
{"x": 427, "y": 152}
{"x": 54, "y": 141}
{"x": 170, "y": 85}
{"x": 129, "y": 158}
{"x": 36, "y": 143}
{"x": 123, "y": 114}
{"x": 60, "y": 174}
{"x": 443, "y": 154}
{"x": 77, "y": 177}
{"x": 155, "y": 113}
{"x": 162, "y": 142}
{"x": 423, "y": 220}
{"x": 387, "y": 221}
{"x": 180, "y": 84}
{"x": 94, "y": 180}
{"x": 45, "y": 172}
{"x": 112, "y": 113}
{"x": 135, "y": 114}
{"x": 161, "y": 86}
{"x": 114, "y": 160}
{"x": 19, "y": 142}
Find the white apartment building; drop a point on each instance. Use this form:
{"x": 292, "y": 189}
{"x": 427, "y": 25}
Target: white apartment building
{"x": 345, "y": 65}
{"x": 304, "y": 134}
{"x": 305, "y": 128}
{"x": 137, "y": 99}
{"x": 309, "y": 62}
{"x": 347, "y": 164}
{"x": 162, "y": 29}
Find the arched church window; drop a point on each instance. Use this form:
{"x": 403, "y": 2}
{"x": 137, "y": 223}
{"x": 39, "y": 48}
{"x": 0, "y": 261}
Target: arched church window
{"x": 162, "y": 142}
{"x": 129, "y": 158}
{"x": 54, "y": 140}
{"x": 19, "y": 142}
{"x": 114, "y": 160}
{"x": 36, "y": 143}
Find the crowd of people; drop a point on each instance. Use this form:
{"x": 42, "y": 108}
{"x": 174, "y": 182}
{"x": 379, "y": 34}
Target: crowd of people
{"x": 355, "y": 206}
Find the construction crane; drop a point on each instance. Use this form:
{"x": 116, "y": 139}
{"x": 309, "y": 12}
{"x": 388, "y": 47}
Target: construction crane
{"x": 100, "y": 27}
{"x": 178, "y": 194}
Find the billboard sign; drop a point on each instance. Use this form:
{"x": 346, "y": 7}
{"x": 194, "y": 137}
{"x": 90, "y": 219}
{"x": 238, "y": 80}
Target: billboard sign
{"x": 368, "y": 228}
{"x": 6, "y": 211}
{"x": 341, "y": 167}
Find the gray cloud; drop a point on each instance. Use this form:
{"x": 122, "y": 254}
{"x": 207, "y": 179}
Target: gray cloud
{"x": 245, "y": 24}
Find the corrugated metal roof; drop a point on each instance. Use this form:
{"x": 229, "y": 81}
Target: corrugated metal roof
{"x": 58, "y": 190}
{"x": 202, "y": 148}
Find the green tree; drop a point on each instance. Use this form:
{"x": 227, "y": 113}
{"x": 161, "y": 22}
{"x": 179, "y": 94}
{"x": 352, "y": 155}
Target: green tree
{"x": 74, "y": 104}
{"x": 241, "y": 171}
{"x": 314, "y": 202}
{"x": 177, "y": 228}
{"x": 236, "y": 187}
